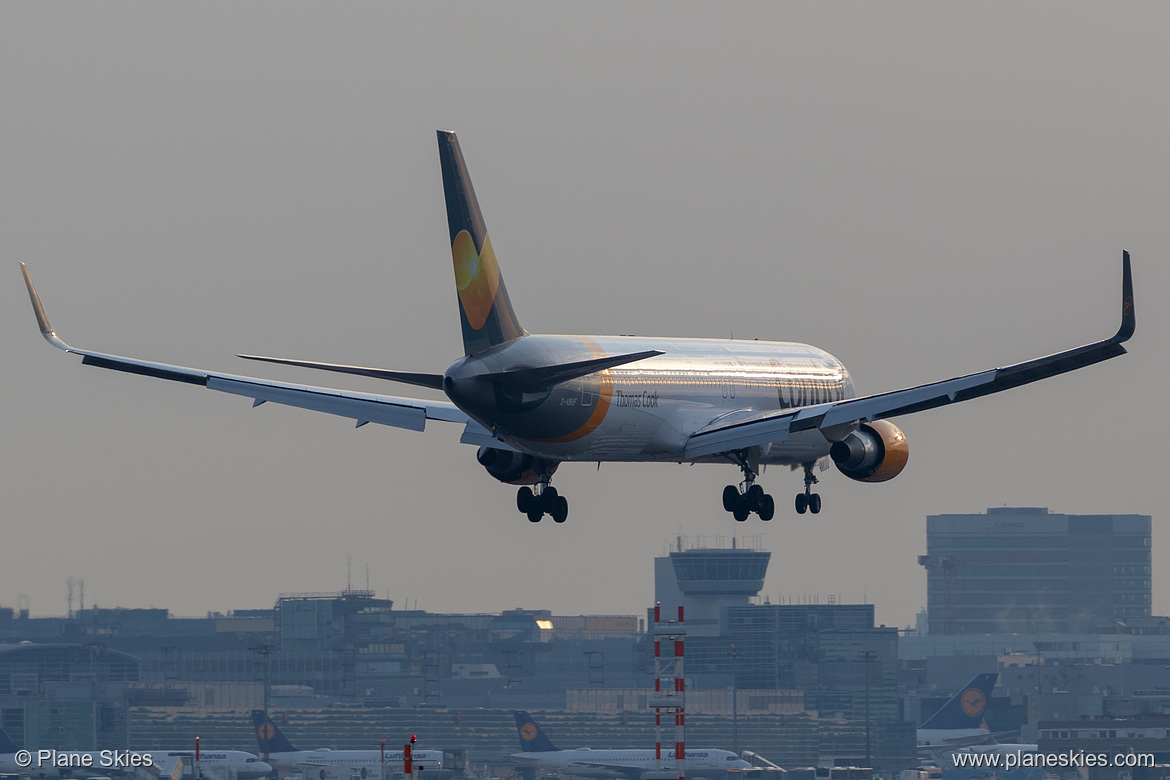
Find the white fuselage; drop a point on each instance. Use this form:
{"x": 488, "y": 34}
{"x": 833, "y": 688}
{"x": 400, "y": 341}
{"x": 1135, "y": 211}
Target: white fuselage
{"x": 617, "y": 763}
{"x": 325, "y": 764}
{"x": 10, "y": 766}
{"x": 239, "y": 763}
{"x": 940, "y": 745}
{"x": 78, "y": 763}
{"x": 647, "y": 410}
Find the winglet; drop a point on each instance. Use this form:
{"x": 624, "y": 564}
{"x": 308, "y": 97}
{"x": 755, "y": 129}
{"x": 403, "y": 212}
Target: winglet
{"x": 1128, "y": 320}
{"x": 39, "y": 309}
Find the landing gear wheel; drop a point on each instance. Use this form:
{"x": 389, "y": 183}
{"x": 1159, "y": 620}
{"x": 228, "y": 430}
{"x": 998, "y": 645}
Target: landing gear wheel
{"x": 534, "y": 515}
{"x": 801, "y": 503}
{"x": 559, "y": 509}
{"x": 525, "y": 499}
{"x": 814, "y": 503}
{"x": 754, "y": 498}
{"x": 548, "y": 496}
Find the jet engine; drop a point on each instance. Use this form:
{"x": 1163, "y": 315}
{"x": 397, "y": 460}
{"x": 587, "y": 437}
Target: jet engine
{"x": 875, "y": 452}
{"x": 514, "y": 468}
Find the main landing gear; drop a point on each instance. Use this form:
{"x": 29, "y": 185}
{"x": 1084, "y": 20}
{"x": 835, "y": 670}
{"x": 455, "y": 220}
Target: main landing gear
{"x": 545, "y": 500}
{"x": 808, "y": 500}
{"x": 751, "y": 499}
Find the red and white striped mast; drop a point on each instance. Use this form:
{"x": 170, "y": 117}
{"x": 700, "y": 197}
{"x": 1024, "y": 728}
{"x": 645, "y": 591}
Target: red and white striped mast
{"x": 670, "y": 687}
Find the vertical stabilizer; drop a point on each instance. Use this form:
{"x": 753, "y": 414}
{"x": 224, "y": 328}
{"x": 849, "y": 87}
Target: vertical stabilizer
{"x": 532, "y": 737}
{"x": 270, "y": 738}
{"x": 6, "y": 743}
{"x": 484, "y": 309}
{"x": 966, "y": 708}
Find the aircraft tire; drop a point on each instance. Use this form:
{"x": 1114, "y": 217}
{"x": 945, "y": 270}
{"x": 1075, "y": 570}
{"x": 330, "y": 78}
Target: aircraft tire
{"x": 814, "y": 503}
{"x": 755, "y": 498}
{"x": 767, "y": 508}
{"x": 560, "y": 509}
{"x": 741, "y": 512}
{"x": 801, "y": 503}
{"x": 730, "y": 497}
{"x": 534, "y": 515}
{"x": 524, "y": 499}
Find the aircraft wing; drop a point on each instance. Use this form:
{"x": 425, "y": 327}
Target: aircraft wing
{"x": 836, "y": 419}
{"x": 409, "y": 413}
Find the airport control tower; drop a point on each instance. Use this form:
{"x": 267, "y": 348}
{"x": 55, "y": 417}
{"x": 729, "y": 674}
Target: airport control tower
{"x": 706, "y": 580}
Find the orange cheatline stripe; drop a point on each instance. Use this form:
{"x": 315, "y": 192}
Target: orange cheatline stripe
{"x": 599, "y": 412}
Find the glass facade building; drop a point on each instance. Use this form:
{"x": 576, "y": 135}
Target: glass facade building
{"x": 1029, "y": 570}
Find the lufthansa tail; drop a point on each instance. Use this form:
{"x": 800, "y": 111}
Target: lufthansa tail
{"x": 268, "y": 736}
{"x": 966, "y": 708}
{"x": 6, "y": 743}
{"x": 532, "y": 737}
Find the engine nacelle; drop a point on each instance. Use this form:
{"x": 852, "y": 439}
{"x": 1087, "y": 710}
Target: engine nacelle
{"x": 875, "y": 452}
{"x": 515, "y": 468}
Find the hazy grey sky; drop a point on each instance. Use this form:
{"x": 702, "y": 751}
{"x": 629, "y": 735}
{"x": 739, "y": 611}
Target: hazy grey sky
{"x": 922, "y": 189}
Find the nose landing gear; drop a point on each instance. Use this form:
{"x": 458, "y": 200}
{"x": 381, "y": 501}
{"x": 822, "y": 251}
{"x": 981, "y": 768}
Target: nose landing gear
{"x": 545, "y": 500}
{"x": 808, "y": 500}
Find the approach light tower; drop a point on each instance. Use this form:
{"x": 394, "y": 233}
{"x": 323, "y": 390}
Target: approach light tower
{"x": 670, "y": 686}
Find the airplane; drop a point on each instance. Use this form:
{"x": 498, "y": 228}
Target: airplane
{"x": 219, "y": 763}
{"x": 164, "y": 763}
{"x": 539, "y": 753}
{"x": 327, "y": 764}
{"x": 10, "y": 766}
{"x": 959, "y": 727}
{"x": 531, "y": 402}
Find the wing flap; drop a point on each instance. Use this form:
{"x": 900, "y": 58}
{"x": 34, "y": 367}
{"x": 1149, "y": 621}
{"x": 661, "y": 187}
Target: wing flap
{"x": 363, "y": 409}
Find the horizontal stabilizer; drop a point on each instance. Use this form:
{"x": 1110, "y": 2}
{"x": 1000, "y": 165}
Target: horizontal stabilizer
{"x": 433, "y": 381}
{"x": 546, "y": 376}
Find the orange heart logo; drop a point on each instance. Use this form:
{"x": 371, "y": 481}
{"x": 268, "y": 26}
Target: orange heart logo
{"x": 477, "y": 277}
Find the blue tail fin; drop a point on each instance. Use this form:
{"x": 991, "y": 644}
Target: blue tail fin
{"x": 532, "y": 737}
{"x": 6, "y": 743}
{"x": 268, "y": 736}
{"x": 965, "y": 709}
{"x": 484, "y": 308}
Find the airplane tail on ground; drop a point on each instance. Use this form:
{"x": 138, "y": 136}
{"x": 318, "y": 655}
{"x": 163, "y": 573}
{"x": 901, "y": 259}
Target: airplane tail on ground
{"x": 6, "y": 743}
{"x": 532, "y": 737}
{"x": 966, "y": 708}
{"x": 270, "y": 738}
{"x": 485, "y": 311}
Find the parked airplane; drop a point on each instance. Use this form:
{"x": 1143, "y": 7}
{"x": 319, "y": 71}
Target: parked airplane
{"x": 10, "y": 766}
{"x": 218, "y": 763}
{"x": 326, "y": 764}
{"x": 959, "y": 725}
{"x": 540, "y": 753}
{"x": 163, "y": 763}
{"x": 531, "y": 402}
